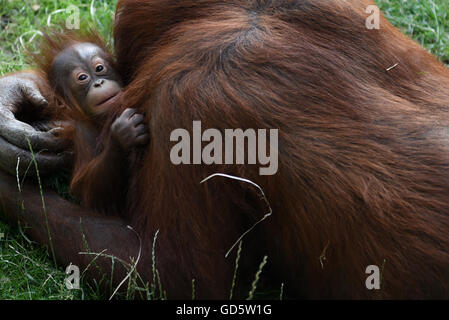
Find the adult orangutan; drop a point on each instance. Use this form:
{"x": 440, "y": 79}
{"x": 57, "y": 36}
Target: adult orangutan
{"x": 363, "y": 155}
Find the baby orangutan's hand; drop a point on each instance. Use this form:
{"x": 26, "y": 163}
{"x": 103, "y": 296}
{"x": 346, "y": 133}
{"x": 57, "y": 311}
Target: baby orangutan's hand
{"x": 129, "y": 131}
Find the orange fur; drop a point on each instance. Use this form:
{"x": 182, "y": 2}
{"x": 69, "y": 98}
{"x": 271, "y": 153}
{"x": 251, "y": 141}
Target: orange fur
{"x": 363, "y": 152}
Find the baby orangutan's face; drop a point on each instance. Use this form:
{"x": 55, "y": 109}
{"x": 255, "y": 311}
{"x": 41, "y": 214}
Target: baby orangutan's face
{"x": 83, "y": 71}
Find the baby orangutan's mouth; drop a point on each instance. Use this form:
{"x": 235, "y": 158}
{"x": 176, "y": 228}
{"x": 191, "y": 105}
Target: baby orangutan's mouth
{"x": 109, "y": 99}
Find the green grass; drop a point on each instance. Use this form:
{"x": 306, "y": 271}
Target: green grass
{"x": 22, "y": 20}
{"x": 26, "y": 270}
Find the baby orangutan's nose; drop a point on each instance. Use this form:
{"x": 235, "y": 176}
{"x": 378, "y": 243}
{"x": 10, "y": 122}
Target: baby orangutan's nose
{"x": 98, "y": 83}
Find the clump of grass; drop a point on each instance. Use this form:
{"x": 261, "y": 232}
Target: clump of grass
{"x": 27, "y": 273}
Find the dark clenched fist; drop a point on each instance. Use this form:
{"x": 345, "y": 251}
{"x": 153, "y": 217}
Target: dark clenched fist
{"x": 15, "y": 135}
{"x": 129, "y": 131}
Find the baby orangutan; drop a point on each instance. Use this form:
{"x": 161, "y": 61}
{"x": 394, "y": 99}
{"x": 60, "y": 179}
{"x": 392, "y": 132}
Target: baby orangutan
{"x": 84, "y": 80}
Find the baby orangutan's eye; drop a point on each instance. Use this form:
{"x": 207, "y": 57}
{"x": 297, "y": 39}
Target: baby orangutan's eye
{"x": 99, "y": 68}
{"x": 83, "y": 77}
{"x": 80, "y": 76}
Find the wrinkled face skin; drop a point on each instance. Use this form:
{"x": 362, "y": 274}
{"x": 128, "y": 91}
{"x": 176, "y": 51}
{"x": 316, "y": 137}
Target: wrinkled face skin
{"x": 83, "y": 72}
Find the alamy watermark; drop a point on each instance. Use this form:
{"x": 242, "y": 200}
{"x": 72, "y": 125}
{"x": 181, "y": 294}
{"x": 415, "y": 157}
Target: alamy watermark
{"x": 72, "y": 282}
{"x": 373, "y": 280}
{"x": 73, "y": 21}
{"x": 373, "y": 21}
{"x": 189, "y": 149}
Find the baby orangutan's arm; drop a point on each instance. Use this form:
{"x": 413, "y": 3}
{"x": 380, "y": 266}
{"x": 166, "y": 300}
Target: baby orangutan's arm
{"x": 98, "y": 179}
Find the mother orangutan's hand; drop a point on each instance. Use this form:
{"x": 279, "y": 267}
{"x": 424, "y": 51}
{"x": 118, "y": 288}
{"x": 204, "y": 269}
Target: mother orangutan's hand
{"x": 16, "y": 89}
